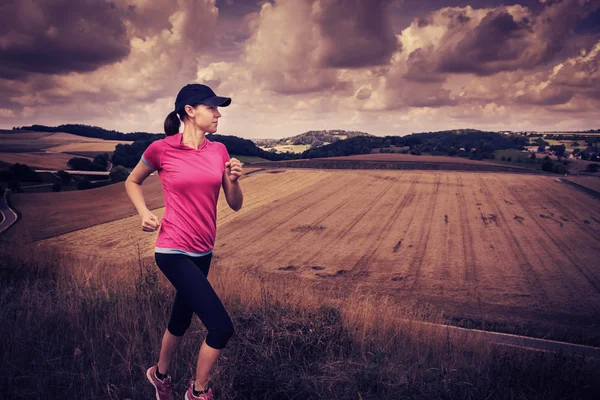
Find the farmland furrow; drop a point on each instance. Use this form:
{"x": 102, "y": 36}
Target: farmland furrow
{"x": 337, "y": 185}
{"x": 414, "y": 269}
{"x": 362, "y": 264}
{"x": 466, "y": 236}
{"x": 561, "y": 246}
{"x": 573, "y": 202}
{"x": 323, "y": 249}
{"x": 529, "y": 273}
{"x": 350, "y": 197}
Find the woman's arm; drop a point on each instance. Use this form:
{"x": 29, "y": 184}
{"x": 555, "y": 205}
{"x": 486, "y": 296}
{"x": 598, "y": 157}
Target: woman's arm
{"x": 133, "y": 187}
{"x": 231, "y": 184}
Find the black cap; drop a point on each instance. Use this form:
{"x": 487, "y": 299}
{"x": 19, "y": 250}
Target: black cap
{"x": 196, "y": 93}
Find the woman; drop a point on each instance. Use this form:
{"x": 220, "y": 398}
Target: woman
{"x": 192, "y": 170}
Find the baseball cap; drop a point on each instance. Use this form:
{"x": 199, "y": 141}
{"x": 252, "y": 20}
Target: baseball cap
{"x": 196, "y": 93}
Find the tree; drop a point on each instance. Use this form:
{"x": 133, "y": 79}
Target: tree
{"x": 56, "y": 187}
{"x": 509, "y": 159}
{"x": 503, "y": 158}
{"x": 118, "y": 174}
{"x": 1, "y": 191}
{"x": 575, "y": 144}
{"x": 547, "y": 164}
{"x": 594, "y": 157}
{"x": 532, "y": 155}
{"x": 83, "y": 184}
{"x": 23, "y": 173}
{"x": 559, "y": 150}
{"x": 101, "y": 160}
{"x": 15, "y": 186}
{"x": 541, "y": 148}
{"x": 65, "y": 177}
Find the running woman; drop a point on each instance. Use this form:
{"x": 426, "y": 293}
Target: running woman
{"x": 192, "y": 170}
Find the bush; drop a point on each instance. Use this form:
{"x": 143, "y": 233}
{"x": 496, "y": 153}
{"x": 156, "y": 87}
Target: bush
{"x": 56, "y": 187}
{"x": 118, "y": 174}
{"x": 592, "y": 167}
{"x": 503, "y": 158}
{"x": 559, "y": 169}
{"x": 509, "y": 158}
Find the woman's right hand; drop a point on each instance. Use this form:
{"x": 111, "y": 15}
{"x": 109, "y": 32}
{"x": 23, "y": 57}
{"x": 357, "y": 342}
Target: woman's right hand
{"x": 150, "y": 222}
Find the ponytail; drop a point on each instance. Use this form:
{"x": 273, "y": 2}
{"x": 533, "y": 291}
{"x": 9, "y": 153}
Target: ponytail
{"x": 172, "y": 124}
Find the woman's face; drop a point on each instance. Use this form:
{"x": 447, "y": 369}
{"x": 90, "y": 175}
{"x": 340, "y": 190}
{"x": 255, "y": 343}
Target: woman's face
{"x": 205, "y": 117}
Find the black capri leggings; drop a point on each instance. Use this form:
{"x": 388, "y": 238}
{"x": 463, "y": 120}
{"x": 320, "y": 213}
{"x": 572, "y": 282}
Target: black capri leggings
{"x": 195, "y": 295}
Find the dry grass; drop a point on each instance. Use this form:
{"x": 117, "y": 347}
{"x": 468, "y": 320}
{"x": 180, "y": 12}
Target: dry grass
{"x": 88, "y": 329}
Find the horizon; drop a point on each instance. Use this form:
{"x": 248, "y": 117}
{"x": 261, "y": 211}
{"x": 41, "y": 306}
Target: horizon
{"x": 386, "y": 67}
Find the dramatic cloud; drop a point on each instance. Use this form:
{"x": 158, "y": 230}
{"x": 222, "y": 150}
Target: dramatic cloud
{"x": 488, "y": 41}
{"x": 382, "y": 66}
{"x": 158, "y": 64}
{"x": 59, "y": 36}
{"x": 297, "y": 44}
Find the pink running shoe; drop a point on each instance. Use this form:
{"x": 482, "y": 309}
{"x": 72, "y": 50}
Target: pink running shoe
{"x": 189, "y": 394}
{"x": 164, "y": 390}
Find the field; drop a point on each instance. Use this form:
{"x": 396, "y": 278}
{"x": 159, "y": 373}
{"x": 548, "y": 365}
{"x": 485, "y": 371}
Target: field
{"x": 33, "y": 142}
{"x": 407, "y": 158}
{"x": 292, "y": 148}
{"x": 504, "y": 251}
{"x": 38, "y": 160}
{"x": 590, "y": 182}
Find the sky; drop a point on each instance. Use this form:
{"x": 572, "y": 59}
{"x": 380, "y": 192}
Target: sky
{"x": 387, "y": 67}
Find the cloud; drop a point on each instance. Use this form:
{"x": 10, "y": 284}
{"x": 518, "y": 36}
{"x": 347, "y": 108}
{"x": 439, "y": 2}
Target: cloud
{"x": 297, "y": 45}
{"x": 157, "y": 66}
{"x": 354, "y": 33}
{"x": 59, "y": 36}
{"x": 492, "y": 40}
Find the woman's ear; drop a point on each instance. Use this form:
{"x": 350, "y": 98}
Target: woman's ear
{"x": 189, "y": 110}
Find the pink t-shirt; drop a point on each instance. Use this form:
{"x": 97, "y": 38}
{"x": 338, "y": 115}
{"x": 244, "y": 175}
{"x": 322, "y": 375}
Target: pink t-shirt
{"x": 191, "y": 181}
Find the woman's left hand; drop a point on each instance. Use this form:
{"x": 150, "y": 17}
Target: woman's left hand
{"x": 234, "y": 169}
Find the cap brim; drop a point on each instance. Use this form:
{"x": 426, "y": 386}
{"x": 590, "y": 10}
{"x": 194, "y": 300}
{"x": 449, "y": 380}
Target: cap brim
{"x": 217, "y": 101}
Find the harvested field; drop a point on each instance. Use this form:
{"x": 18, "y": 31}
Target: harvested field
{"x": 38, "y": 160}
{"x": 24, "y": 142}
{"x": 89, "y": 146}
{"x": 23, "y": 135}
{"x": 122, "y": 236}
{"x": 64, "y": 212}
{"x": 511, "y": 252}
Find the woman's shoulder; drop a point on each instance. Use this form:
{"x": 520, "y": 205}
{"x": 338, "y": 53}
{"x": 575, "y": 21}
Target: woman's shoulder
{"x": 217, "y": 145}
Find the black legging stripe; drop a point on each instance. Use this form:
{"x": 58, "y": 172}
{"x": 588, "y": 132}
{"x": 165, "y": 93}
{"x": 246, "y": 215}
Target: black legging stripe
{"x": 195, "y": 295}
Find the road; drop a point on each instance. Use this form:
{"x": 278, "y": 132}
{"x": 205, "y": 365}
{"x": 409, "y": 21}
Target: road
{"x": 9, "y": 216}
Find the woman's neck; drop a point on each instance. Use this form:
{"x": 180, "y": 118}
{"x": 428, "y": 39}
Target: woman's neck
{"x": 192, "y": 136}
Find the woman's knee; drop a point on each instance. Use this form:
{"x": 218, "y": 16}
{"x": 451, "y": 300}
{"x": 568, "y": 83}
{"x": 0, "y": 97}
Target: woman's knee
{"x": 218, "y": 338}
{"x": 178, "y": 329}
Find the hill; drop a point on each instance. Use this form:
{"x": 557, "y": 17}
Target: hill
{"x": 307, "y": 140}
